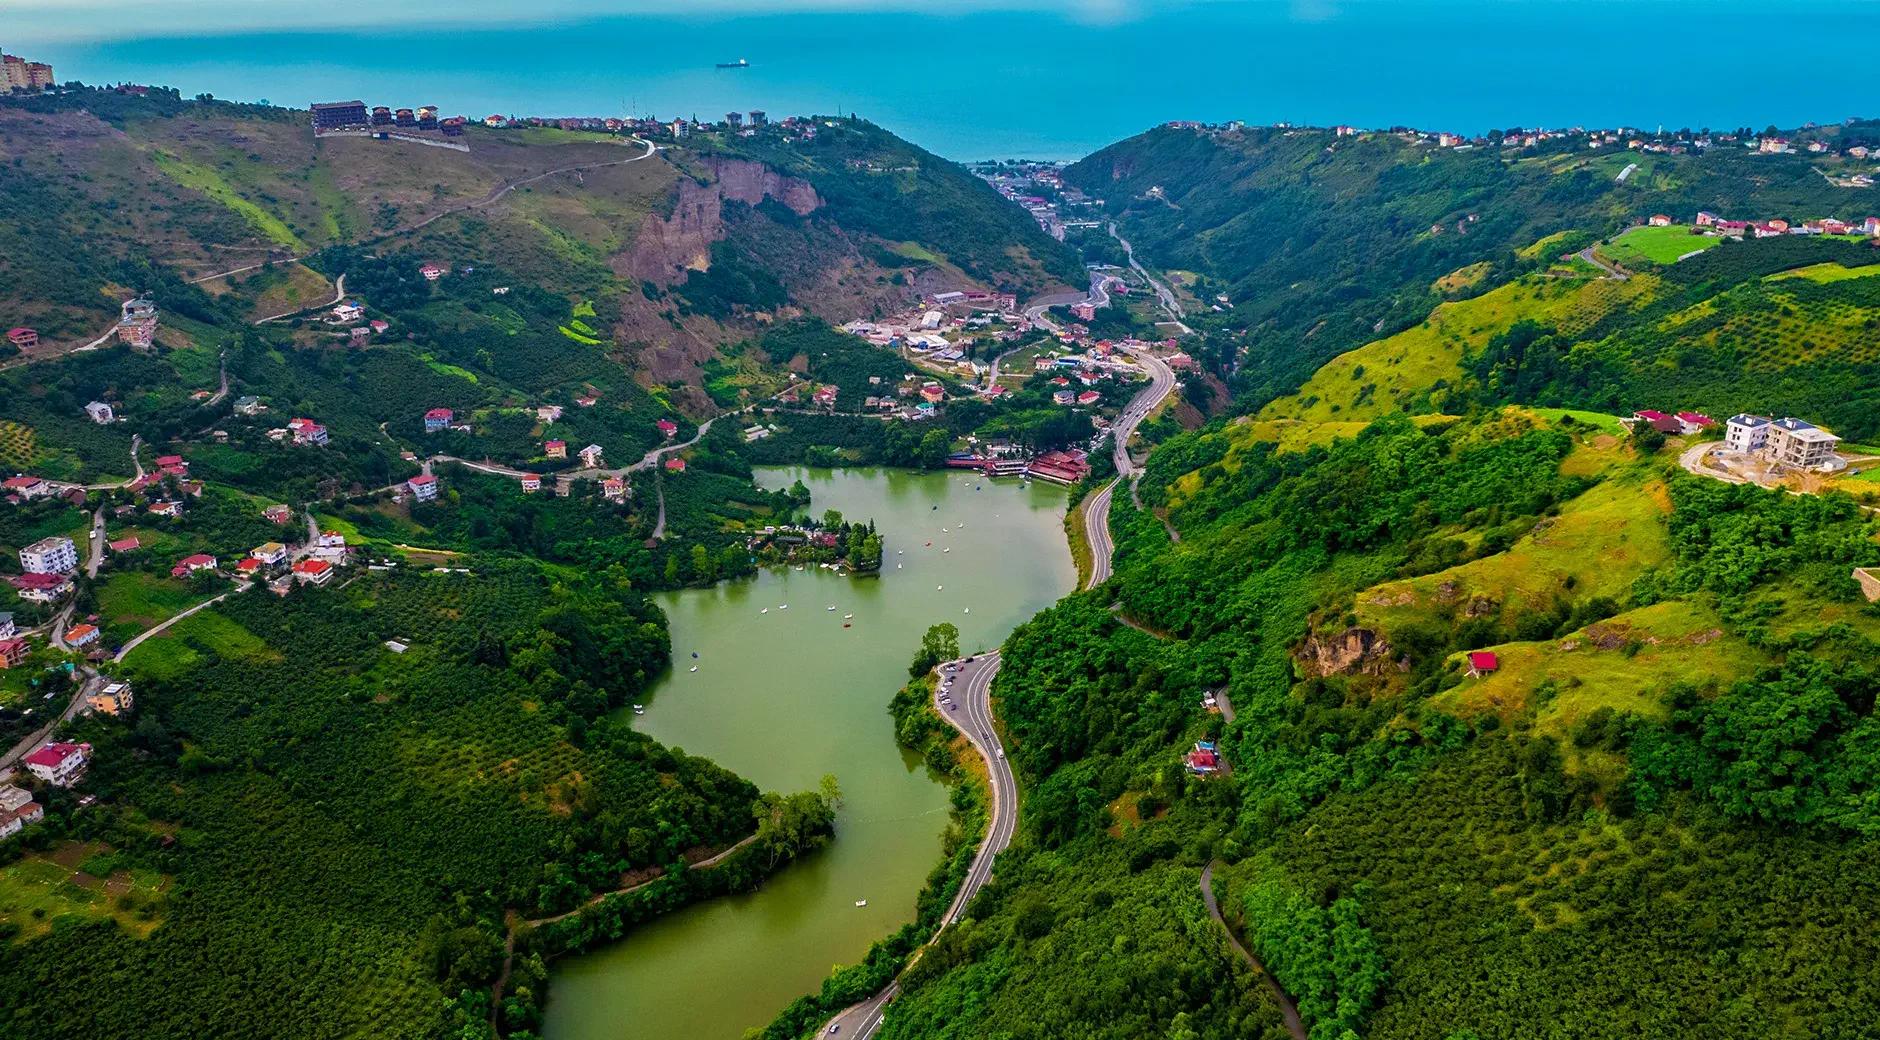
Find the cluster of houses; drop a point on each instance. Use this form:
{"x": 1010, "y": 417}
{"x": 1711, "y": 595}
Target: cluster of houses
{"x": 1790, "y": 442}
{"x": 301, "y": 431}
{"x": 353, "y": 116}
{"x": 58, "y": 763}
{"x": 1712, "y": 224}
{"x": 1005, "y": 460}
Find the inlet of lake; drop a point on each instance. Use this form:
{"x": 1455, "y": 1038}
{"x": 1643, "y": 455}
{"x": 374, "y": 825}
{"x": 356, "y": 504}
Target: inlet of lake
{"x": 787, "y": 696}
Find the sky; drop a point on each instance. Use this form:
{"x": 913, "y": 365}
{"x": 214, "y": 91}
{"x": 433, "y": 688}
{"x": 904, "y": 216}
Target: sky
{"x": 114, "y": 19}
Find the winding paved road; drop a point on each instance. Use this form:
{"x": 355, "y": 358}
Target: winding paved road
{"x": 1097, "y": 509}
{"x": 972, "y": 716}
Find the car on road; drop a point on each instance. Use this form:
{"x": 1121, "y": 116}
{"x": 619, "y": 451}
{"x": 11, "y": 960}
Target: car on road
{"x": 999, "y": 751}
{"x": 834, "y": 1028}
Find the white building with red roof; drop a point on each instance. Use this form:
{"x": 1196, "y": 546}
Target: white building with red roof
{"x": 313, "y": 572}
{"x": 423, "y": 487}
{"x": 58, "y": 764}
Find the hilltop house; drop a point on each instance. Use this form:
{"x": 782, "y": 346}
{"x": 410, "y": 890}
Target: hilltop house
{"x": 555, "y": 449}
{"x": 1659, "y": 220}
{"x": 1482, "y": 662}
{"x": 1787, "y": 441}
{"x": 7, "y": 627}
{"x": 126, "y": 544}
{"x": 23, "y": 337}
{"x": 613, "y": 489}
{"x": 591, "y": 456}
{"x": 13, "y": 652}
{"x": 1658, "y": 421}
{"x": 431, "y": 272}
{"x": 675, "y": 465}
{"x": 249, "y": 405}
{"x": 531, "y": 483}
{"x": 667, "y": 428}
{"x": 306, "y": 431}
{"x": 17, "y": 809}
{"x": 313, "y": 572}
{"x": 278, "y": 514}
{"x": 437, "y": 419}
{"x": 100, "y": 413}
{"x": 1694, "y": 422}
{"x": 423, "y": 487}
{"x": 81, "y": 635}
{"x": 1802, "y": 445}
{"x": 348, "y": 312}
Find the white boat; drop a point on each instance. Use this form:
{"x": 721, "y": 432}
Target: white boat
{"x": 639, "y": 709}
{"x": 949, "y": 549}
{"x": 861, "y": 902}
{"x": 831, "y": 606}
{"x": 766, "y": 610}
{"x": 939, "y": 588}
{"x": 786, "y": 606}
{"x": 848, "y": 617}
{"x": 695, "y": 668}
{"x": 967, "y": 610}
{"x": 946, "y": 530}
{"x": 897, "y": 566}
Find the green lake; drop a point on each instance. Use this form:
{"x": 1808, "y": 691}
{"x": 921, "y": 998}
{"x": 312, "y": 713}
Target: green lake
{"x": 787, "y": 696}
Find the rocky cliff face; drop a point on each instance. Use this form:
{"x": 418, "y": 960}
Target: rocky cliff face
{"x": 1355, "y": 651}
{"x": 668, "y": 247}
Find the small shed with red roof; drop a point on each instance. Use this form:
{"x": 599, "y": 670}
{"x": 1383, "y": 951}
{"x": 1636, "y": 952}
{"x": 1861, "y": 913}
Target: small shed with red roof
{"x": 1482, "y": 662}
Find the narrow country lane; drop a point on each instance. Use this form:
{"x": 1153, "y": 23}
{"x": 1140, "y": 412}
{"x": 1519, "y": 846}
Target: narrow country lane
{"x": 1288, "y": 1008}
{"x": 972, "y": 716}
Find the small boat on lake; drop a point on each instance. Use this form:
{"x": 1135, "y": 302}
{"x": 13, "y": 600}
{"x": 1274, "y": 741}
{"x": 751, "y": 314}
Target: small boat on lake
{"x": 695, "y": 668}
{"x": 947, "y": 549}
{"x": 741, "y": 63}
{"x": 861, "y": 902}
{"x": 766, "y": 610}
{"x": 848, "y": 617}
{"x": 831, "y": 606}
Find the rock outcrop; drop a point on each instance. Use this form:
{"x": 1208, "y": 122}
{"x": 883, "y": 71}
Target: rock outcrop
{"x": 1355, "y": 651}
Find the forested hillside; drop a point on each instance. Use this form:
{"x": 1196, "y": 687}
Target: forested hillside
{"x": 1325, "y": 242}
{"x": 1614, "y": 824}
{"x": 678, "y": 253}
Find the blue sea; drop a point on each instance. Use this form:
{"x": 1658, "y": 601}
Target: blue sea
{"x": 1001, "y": 78}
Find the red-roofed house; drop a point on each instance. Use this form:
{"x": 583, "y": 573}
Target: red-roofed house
{"x": 933, "y": 393}
{"x": 249, "y": 567}
{"x": 28, "y": 487}
{"x": 1659, "y": 220}
{"x": 167, "y": 463}
{"x": 1694, "y": 422}
{"x": 124, "y": 545}
{"x": 531, "y": 483}
{"x": 675, "y": 465}
{"x": 278, "y": 514}
{"x": 667, "y": 427}
{"x": 23, "y": 337}
{"x": 555, "y": 449}
{"x": 13, "y": 651}
{"x": 41, "y": 588}
{"x": 431, "y": 272}
{"x": 58, "y": 764}
{"x": 438, "y": 419}
{"x": 614, "y": 489}
{"x": 423, "y": 487}
{"x": 1089, "y": 397}
{"x": 79, "y": 635}
{"x": 313, "y": 572}
{"x": 1060, "y": 467}
{"x": 191, "y": 564}
{"x": 1482, "y": 662}
{"x": 1659, "y": 421}
{"x": 306, "y": 431}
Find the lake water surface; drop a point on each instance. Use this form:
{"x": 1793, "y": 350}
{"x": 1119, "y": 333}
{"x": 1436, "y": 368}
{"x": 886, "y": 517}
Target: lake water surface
{"x": 788, "y": 696}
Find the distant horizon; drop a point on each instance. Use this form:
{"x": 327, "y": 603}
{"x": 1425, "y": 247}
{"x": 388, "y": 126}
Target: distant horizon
{"x": 992, "y": 79}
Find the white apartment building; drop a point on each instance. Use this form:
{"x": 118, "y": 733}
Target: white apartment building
{"x": 54, "y": 555}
